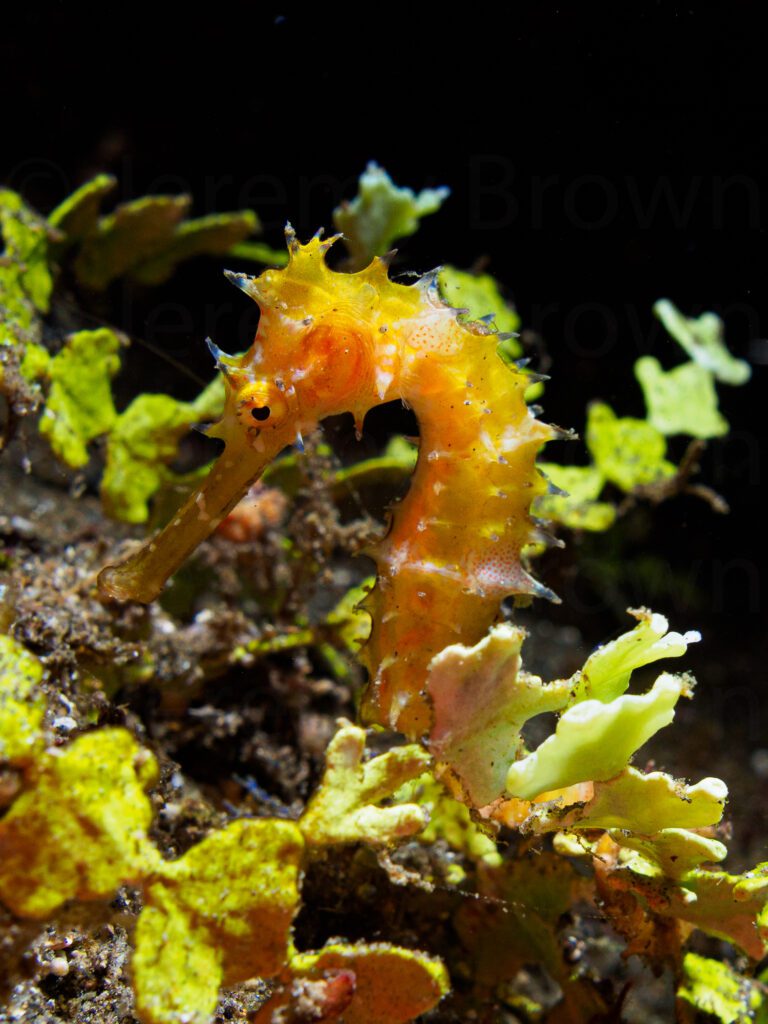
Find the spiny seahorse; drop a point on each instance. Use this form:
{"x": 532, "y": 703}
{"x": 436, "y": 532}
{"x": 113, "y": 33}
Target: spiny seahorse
{"x": 329, "y": 343}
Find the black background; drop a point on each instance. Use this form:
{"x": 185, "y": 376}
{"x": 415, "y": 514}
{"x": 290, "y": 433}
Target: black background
{"x": 597, "y": 161}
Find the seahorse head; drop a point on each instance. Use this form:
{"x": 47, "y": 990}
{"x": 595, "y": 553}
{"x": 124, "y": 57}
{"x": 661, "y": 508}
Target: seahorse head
{"x": 317, "y": 353}
{"x": 317, "y": 347}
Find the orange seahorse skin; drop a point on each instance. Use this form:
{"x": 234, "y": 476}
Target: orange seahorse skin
{"x": 329, "y": 343}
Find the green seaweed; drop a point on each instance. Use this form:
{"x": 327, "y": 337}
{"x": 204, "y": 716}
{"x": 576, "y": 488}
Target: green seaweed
{"x": 345, "y": 807}
{"x": 80, "y": 829}
{"x": 703, "y": 339}
{"x": 671, "y": 852}
{"x": 26, "y": 283}
{"x": 380, "y": 213}
{"x": 646, "y": 804}
{"x": 480, "y": 295}
{"x": 143, "y": 441}
{"x": 22, "y": 704}
{"x": 482, "y": 700}
{"x": 147, "y": 238}
{"x": 716, "y": 988}
{"x": 575, "y": 502}
{"x": 136, "y": 232}
{"x": 214, "y": 235}
{"x": 628, "y": 452}
{"x": 217, "y": 916}
{"x": 223, "y": 912}
{"x": 682, "y": 401}
{"x": 594, "y": 740}
{"x": 259, "y": 252}
{"x": 25, "y": 277}
{"x": 79, "y": 407}
{"x": 76, "y": 216}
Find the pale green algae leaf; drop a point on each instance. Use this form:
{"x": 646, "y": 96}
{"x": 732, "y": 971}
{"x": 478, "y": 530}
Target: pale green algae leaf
{"x": 79, "y": 407}
{"x": 594, "y": 740}
{"x": 76, "y": 216}
{"x": 670, "y": 853}
{"x": 720, "y": 904}
{"x": 147, "y": 238}
{"x": 24, "y": 270}
{"x": 351, "y": 623}
{"x": 577, "y": 507}
{"x": 628, "y": 452}
{"x": 80, "y": 829}
{"x": 219, "y": 915}
{"x": 714, "y": 987}
{"x": 644, "y": 803}
{"x": 650, "y": 815}
{"x": 25, "y": 290}
{"x": 142, "y": 443}
{"x": 347, "y": 622}
{"x": 480, "y": 702}
{"x": 449, "y": 820}
{"x": 392, "y": 985}
{"x": 177, "y": 968}
{"x": 395, "y": 464}
{"x": 380, "y": 213}
{"x": 682, "y": 401}
{"x": 22, "y": 704}
{"x": 607, "y": 671}
{"x": 480, "y": 295}
{"x": 481, "y": 699}
{"x": 213, "y": 235}
{"x": 131, "y": 235}
{"x": 344, "y": 808}
{"x": 754, "y": 882}
{"x": 260, "y": 252}
{"x": 703, "y": 339}
{"x": 727, "y": 906}
{"x": 35, "y": 363}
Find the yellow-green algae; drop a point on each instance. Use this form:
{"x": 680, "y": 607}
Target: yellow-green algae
{"x": 22, "y": 704}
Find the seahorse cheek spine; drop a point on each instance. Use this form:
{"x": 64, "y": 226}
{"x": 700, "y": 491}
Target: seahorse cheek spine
{"x": 330, "y": 343}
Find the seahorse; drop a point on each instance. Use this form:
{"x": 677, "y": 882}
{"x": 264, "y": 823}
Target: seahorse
{"x": 330, "y": 343}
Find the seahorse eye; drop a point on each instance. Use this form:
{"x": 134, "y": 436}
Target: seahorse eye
{"x": 262, "y": 403}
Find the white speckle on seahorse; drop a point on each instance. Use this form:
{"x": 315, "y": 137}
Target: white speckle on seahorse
{"x": 202, "y": 514}
{"x": 383, "y": 379}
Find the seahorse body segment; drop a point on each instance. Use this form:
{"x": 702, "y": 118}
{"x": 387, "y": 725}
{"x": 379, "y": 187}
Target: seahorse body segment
{"x": 329, "y": 343}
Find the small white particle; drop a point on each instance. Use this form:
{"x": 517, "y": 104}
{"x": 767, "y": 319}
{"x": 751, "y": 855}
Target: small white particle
{"x": 64, "y": 724}
{"x": 59, "y": 966}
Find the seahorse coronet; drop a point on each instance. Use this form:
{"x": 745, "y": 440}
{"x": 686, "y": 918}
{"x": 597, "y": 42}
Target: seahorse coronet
{"x": 330, "y": 342}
